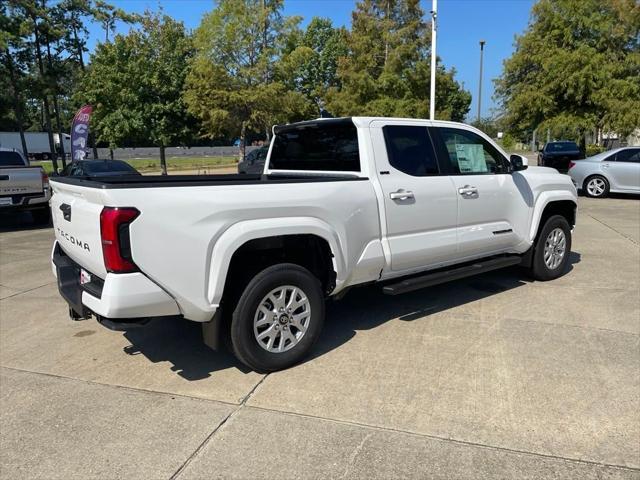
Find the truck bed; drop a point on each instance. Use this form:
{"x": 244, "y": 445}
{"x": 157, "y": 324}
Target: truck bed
{"x": 148, "y": 181}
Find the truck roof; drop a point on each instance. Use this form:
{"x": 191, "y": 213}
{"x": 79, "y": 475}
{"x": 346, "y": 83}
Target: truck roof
{"x": 366, "y": 121}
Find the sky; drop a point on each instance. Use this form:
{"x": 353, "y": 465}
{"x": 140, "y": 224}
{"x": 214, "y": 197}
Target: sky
{"x": 461, "y": 26}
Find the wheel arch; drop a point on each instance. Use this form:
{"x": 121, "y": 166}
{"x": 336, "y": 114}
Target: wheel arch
{"x": 553, "y": 204}
{"x": 275, "y": 235}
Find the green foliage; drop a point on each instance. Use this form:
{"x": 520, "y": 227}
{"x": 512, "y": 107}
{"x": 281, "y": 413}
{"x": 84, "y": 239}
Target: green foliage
{"x": 507, "y": 142}
{"x": 488, "y": 126}
{"x": 593, "y": 149}
{"x": 576, "y": 68}
{"x": 135, "y": 84}
{"x": 232, "y": 86}
{"x": 310, "y": 67}
{"x": 387, "y": 69}
{"x": 246, "y": 68}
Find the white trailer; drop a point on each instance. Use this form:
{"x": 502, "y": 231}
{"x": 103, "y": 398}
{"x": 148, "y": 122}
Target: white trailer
{"x": 37, "y": 143}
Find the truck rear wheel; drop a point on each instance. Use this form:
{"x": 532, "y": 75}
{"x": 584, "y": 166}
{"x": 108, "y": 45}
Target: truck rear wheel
{"x": 278, "y": 318}
{"x": 552, "y": 249}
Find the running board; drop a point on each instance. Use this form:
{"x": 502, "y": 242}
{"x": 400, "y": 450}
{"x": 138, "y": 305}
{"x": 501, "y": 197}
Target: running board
{"x": 455, "y": 273}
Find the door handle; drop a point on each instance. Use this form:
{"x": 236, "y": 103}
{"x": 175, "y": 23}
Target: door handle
{"x": 468, "y": 191}
{"x": 401, "y": 195}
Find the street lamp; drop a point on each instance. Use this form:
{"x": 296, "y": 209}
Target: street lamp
{"x": 432, "y": 95}
{"x": 482, "y": 42}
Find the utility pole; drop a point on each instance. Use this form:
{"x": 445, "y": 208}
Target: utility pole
{"x": 482, "y": 42}
{"x": 432, "y": 96}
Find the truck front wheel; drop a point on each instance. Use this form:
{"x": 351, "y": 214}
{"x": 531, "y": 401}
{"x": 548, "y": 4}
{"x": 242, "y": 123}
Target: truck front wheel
{"x": 278, "y": 318}
{"x": 552, "y": 249}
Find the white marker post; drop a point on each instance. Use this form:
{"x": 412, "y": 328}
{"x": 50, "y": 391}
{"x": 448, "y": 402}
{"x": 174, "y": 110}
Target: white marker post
{"x": 432, "y": 97}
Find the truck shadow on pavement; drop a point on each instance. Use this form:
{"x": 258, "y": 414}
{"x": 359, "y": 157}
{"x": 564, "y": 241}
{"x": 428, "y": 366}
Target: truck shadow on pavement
{"x": 17, "y": 221}
{"x": 346, "y": 317}
{"x": 179, "y": 342}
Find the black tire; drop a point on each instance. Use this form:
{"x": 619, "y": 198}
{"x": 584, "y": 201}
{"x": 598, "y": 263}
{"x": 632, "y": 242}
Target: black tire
{"x": 593, "y": 193}
{"x": 41, "y": 216}
{"x": 539, "y": 268}
{"x": 244, "y": 343}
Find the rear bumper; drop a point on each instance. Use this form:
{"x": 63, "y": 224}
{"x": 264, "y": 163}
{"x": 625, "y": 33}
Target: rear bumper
{"x": 118, "y": 296}
{"x": 25, "y": 202}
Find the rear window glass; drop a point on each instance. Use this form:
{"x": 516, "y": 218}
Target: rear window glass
{"x": 10, "y": 159}
{"x": 561, "y": 147}
{"x": 325, "y": 145}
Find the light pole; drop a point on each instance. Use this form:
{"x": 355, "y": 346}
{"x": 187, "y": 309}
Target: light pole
{"x": 482, "y": 42}
{"x": 432, "y": 96}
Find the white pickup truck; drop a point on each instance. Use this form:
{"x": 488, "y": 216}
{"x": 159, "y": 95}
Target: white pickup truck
{"x": 342, "y": 202}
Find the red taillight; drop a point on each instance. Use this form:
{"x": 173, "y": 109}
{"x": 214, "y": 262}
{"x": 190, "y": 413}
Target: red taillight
{"x": 571, "y": 165}
{"x": 45, "y": 179}
{"x": 114, "y": 232}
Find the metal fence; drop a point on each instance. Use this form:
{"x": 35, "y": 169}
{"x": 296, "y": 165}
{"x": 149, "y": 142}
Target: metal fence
{"x": 154, "y": 152}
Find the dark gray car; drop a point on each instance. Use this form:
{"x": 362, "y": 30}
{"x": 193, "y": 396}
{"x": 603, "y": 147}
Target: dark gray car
{"x": 254, "y": 161}
{"x": 98, "y": 168}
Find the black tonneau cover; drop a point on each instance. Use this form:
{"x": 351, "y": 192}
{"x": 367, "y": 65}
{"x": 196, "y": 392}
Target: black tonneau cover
{"x": 148, "y": 181}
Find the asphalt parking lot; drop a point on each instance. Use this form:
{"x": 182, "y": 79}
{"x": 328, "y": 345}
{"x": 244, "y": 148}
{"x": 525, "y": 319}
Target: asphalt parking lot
{"x": 489, "y": 377}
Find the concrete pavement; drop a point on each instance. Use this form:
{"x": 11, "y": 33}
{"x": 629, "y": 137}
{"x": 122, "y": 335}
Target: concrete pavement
{"x": 489, "y": 377}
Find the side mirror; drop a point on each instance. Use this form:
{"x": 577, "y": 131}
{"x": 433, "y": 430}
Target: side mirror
{"x": 518, "y": 162}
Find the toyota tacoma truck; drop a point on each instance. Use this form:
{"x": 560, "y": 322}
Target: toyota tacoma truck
{"x": 23, "y": 187}
{"x": 341, "y": 202}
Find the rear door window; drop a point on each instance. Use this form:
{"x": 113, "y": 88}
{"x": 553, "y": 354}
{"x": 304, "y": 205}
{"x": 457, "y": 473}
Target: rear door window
{"x": 632, "y": 155}
{"x": 409, "y": 150}
{"x": 324, "y": 145}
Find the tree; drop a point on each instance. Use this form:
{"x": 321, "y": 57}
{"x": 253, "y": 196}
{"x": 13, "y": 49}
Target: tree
{"x": 387, "y": 69}
{"x": 135, "y": 84}
{"x": 488, "y": 125}
{"x": 310, "y": 66}
{"x": 108, "y": 15}
{"x": 13, "y": 58}
{"x": 575, "y": 69}
{"x": 231, "y": 86}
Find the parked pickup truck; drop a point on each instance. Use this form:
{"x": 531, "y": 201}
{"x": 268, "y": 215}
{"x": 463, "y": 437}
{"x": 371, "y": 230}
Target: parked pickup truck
{"x": 23, "y": 187}
{"x": 559, "y": 155}
{"x": 341, "y": 202}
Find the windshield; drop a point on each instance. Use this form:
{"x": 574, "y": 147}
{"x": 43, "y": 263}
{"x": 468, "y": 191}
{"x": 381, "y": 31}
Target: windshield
{"x": 108, "y": 166}
{"x": 561, "y": 147}
{"x": 11, "y": 159}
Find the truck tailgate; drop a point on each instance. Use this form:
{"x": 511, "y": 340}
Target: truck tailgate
{"x": 20, "y": 180}
{"x": 76, "y": 220}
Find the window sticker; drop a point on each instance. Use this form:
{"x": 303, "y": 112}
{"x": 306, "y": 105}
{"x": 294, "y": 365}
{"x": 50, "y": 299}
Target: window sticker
{"x": 471, "y": 158}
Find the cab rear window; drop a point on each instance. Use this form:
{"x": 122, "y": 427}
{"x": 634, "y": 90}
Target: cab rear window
{"x": 324, "y": 145}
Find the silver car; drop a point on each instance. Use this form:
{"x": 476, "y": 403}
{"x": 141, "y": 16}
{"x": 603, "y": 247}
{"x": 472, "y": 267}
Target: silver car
{"x": 616, "y": 171}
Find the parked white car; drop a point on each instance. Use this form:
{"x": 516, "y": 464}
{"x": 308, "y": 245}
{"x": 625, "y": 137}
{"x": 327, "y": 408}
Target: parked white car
{"x": 341, "y": 202}
{"x": 616, "y": 171}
